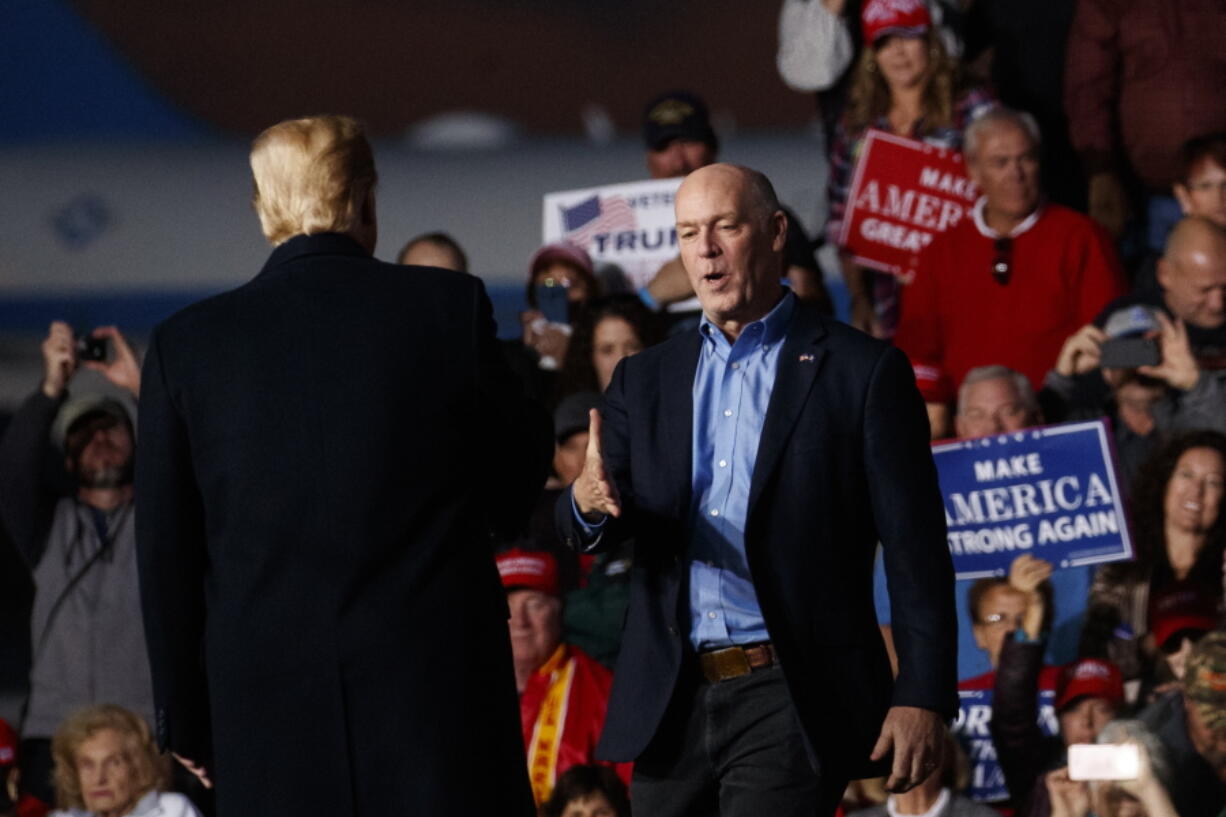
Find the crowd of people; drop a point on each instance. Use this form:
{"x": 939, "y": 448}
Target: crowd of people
{"x": 1088, "y": 280}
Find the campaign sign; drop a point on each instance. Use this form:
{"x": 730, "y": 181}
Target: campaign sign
{"x": 1051, "y": 492}
{"x": 903, "y": 193}
{"x": 629, "y": 225}
{"x": 971, "y": 730}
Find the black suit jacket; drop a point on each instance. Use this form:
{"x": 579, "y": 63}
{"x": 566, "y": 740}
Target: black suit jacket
{"x": 843, "y": 462}
{"x": 326, "y": 624}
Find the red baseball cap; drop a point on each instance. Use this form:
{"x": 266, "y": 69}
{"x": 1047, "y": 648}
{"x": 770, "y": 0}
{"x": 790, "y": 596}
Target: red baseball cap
{"x": 884, "y": 18}
{"x": 8, "y": 744}
{"x": 1180, "y": 607}
{"x": 1089, "y": 676}
{"x": 528, "y": 569}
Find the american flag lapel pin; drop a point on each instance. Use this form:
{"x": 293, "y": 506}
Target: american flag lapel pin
{"x": 806, "y": 358}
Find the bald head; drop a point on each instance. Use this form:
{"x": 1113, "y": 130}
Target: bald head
{"x": 731, "y": 232}
{"x": 759, "y": 193}
{"x": 1192, "y": 272}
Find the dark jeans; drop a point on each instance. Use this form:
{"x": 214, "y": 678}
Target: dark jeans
{"x": 733, "y": 749}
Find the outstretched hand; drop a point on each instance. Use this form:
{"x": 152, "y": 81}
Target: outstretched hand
{"x": 595, "y": 494}
{"x": 917, "y": 737}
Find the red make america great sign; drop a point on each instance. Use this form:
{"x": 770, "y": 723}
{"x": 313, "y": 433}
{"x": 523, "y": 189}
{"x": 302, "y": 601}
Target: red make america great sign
{"x": 903, "y": 193}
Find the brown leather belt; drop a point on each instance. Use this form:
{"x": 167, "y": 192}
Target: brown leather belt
{"x": 733, "y": 662}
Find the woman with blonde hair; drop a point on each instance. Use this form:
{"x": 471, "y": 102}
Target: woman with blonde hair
{"x": 906, "y": 84}
{"x": 107, "y": 765}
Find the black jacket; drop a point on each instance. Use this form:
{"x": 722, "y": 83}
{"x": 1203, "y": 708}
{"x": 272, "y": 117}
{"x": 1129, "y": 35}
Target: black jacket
{"x": 321, "y": 451}
{"x": 1023, "y": 751}
{"x": 843, "y": 461}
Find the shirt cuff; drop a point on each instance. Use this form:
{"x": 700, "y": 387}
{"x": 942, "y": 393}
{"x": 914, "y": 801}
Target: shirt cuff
{"x": 591, "y": 530}
{"x": 647, "y": 300}
{"x": 1019, "y": 635}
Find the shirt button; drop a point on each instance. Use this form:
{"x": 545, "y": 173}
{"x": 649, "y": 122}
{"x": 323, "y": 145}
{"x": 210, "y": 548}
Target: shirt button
{"x": 715, "y": 511}
{"x": 736, "y": 365}
{"x": 723, "y": 463}
{"x": 727, "y": 412}
{"x": 711, "y": 614}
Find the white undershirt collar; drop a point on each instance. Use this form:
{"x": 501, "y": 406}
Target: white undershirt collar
{"x": 987, "y": 232}
{"x": 937, "y": 807}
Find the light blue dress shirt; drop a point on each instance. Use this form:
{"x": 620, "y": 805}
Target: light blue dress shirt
{"x": 732, "y": 389}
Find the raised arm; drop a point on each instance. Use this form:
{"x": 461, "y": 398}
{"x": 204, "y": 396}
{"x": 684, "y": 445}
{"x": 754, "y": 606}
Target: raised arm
{"x": 814, "y": 44}
{"x": 1015, "y": 718}
{"x": 32, "y": 474}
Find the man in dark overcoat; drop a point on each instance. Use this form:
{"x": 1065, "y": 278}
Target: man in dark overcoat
{"x": 326, "y": 625}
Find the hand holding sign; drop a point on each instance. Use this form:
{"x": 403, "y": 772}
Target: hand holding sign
{"x": 1048, "y": 491}
{"x": 1025, "y": 575}
{"x": 904, "y": 192}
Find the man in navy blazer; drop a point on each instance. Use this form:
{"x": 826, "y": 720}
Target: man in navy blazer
{"x": 326, "y": 625}
{"x": 757, "y": 462}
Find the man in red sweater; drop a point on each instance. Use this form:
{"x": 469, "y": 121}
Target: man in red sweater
{"x": 1009, "y": 284}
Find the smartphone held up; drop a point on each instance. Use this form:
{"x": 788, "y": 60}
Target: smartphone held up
{"x": 1089, "y": 761}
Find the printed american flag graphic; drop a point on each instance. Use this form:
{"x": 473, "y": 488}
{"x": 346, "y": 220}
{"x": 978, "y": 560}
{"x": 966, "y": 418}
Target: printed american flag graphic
{"x": 595, "y": 215}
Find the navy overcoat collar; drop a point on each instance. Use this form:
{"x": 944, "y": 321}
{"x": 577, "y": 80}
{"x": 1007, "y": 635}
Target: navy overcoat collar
{"x": 301, "y": 246}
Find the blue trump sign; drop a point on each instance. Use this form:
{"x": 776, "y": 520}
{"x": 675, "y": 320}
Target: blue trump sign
{"x": 972, "y": 731}
{"x": 1051, "y": 492}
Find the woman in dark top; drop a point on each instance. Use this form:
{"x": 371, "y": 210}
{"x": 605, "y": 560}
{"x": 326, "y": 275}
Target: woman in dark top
{"x": 1180, "y": 537}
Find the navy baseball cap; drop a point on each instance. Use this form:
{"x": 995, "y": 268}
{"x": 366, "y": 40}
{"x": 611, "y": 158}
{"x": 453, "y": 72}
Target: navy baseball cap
{"x": 677, "y": 115}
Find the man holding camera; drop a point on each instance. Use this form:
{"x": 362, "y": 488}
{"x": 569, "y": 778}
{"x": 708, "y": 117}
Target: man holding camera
{"x": 66, "y": 500}
{"x": 1160, "y": 352}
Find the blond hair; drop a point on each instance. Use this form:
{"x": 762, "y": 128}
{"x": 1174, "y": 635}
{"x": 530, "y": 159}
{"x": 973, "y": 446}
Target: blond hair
{"x": 869, "y": 97}
{"x": 311, "y": 176}
{"x": 150, "y": 770}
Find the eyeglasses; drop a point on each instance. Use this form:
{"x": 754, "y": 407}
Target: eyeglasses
{"x": 1002, "y": 264}
{"x": 1002, "y": 618}
{"x": 1209, "y": 187}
